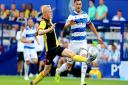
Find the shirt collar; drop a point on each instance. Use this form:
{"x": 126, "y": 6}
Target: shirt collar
{"x": 29, "y": 27}
{"x": 77, "y": 12}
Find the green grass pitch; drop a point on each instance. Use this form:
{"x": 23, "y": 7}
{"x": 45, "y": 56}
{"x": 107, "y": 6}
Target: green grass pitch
{"x": 14, "y": 80}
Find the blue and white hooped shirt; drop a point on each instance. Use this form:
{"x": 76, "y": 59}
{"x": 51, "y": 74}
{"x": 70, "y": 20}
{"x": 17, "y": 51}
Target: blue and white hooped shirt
{"x": 29, "y": 34}
{"x": 78, "y": 30}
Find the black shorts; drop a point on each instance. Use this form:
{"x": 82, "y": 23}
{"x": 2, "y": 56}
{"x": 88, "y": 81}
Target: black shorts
{"x": 50, "y": 55}
{"x": 20, "y": 56}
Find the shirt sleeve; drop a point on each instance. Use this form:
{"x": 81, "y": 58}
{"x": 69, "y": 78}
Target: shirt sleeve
{"x": 42, "y": 25}
{"x": 70, "y": 17}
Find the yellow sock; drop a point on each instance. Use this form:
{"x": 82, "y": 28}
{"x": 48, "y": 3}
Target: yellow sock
{"x": 39, "y": 78}
{"x": 79, "y": 58}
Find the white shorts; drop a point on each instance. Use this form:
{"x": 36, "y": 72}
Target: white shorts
{"x": 79, "y": 48}
{"x": 30, "y": 54}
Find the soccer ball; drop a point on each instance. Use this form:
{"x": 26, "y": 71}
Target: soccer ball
{"x": 93, "y": 51}
{"x": 95, "y": 73}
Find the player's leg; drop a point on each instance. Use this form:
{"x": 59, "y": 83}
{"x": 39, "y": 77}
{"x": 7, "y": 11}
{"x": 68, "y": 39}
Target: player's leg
{"x": 83, "y": 52}
{"x": 42, "y": 74}
{"x": 66, "y": 66}
{"x": 61, "y": 61}
{"x": 19, "y": 67}
{"x": 64, "y": 52}
{"x": 26, "y": 65}
{"x": 68, "y": 53}
{"x": 63, "y": 68}
{"x": 49, "y": 59}
{"x": 34, "y": 59}
{"x": 41, "y": 58}
{"x": 33, "y": 63}
{"x": 41, "y": 65}
{"x": 20, "y": 63}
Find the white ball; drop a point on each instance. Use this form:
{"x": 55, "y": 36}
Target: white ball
{"x": 93, "y": 51}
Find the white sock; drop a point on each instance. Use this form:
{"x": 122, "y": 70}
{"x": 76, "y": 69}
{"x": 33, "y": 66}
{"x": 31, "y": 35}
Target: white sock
{"x": 26, "y": 69}
{"x": 83, "y": 71}
{"x": 62, "y": 68}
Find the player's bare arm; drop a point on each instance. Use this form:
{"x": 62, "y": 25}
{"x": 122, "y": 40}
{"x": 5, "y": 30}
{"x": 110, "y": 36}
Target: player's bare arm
{"x": 92, "y": 27}
{"x": 24, "y": 40}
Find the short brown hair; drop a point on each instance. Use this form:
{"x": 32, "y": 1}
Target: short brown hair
{"x": 92, "y": 1}
{"x": 77, "y": 0}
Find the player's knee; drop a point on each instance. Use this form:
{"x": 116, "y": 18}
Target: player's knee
{"x": 35, "y": 61}
{"x": 27, "y": 62}
{"x": 68, "y": 53}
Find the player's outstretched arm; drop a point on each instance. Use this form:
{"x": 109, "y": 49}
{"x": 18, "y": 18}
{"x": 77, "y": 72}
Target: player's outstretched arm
{"x": 92, "y": 27}
{"x": 42, "y": 32}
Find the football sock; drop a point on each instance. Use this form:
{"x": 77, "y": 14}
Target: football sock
{"x": 79, "y": 58}
{"x": 26, "y": 69}
{"x": 62, "y": 68}
{"x": 38, "y": 78}
{"x": 83, "y": 71}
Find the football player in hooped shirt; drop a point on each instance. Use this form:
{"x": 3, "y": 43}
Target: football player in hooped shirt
{"x": 77, "y": 21}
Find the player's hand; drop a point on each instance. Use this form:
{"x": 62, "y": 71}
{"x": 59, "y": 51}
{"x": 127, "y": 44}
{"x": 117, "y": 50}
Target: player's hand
{"x": 52, "y": 27}
{"x": 101, "y": 42}
{"x": 72, "y": 22}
